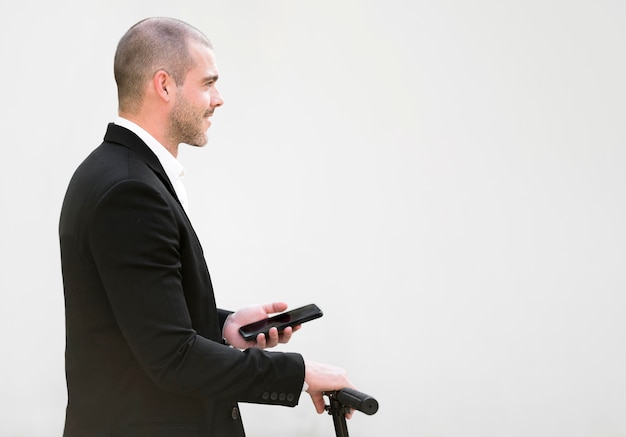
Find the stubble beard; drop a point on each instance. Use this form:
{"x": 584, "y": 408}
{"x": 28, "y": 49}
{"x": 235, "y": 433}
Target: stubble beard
{"x": 186, "y": 125}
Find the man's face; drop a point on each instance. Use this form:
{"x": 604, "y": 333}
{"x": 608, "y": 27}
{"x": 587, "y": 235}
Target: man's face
{"x": 196, "y": 99}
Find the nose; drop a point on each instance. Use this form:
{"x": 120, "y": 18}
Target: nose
{"x": 216, "y": 97}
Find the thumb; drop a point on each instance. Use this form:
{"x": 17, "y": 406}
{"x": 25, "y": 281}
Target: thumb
{"x": 275, "y": 307}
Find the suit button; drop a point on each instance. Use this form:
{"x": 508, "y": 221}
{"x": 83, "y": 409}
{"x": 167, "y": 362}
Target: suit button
{"x": 235, "y": 413}
{"x": 266, "y": 396}
{"x": 282, "y": 396}
{"x": 290, "y": 397}
{"x": 274, "y": 396}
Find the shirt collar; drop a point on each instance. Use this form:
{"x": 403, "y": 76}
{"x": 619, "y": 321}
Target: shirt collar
{"x": 173, "y": 168}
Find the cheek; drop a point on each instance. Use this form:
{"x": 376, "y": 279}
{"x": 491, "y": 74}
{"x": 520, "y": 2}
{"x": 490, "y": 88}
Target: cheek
{"x": 204, "y": 98}
{"x": 199, "y": 100}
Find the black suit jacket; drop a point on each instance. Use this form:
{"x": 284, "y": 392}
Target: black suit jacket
{"x": 144, "y": 349}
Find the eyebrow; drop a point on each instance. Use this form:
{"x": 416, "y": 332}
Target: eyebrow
{"x": 212, "y": 78}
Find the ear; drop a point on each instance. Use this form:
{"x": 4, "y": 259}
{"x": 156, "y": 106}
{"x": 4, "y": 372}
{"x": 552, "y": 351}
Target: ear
{"x": 163, "y": 84}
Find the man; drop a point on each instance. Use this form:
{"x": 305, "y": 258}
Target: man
{"x": 147, "y": 351}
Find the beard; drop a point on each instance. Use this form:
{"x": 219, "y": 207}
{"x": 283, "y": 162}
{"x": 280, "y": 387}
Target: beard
{"x": 187, "y": 124}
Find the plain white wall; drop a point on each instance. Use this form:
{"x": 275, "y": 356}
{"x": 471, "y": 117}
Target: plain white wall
{"x": 444, "y": 179}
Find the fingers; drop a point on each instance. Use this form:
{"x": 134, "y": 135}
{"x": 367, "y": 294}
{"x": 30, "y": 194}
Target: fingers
{"x": 318, "y": 402}
{"x": 261, "y": 341}
{"x": 285, "y": 336}
{"x": 273, "y": 338}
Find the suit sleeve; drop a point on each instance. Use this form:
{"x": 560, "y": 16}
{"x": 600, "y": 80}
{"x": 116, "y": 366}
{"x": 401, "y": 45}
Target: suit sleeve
{"x": 135, "y": 243}
{"x": 223, "y": 315}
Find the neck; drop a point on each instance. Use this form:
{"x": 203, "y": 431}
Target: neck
{"x": 154, "y": 128}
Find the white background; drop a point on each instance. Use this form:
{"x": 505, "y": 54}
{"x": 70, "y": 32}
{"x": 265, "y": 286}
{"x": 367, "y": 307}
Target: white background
{"x": 444, "y": 179}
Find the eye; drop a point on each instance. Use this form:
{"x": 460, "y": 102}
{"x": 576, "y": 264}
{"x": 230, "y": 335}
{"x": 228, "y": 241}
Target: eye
{"x": 209, "y": 81}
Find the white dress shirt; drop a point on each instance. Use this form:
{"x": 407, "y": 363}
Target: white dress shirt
{"x": 173, "y": 168}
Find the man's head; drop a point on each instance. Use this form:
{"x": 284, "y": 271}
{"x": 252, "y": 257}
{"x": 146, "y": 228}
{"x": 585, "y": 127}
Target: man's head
{"x": 165, "y": 72}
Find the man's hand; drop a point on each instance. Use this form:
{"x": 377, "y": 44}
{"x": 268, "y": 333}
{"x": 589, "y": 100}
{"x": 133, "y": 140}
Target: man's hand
{"x": 252, "y": 314}
{"x": 322, "y": 378}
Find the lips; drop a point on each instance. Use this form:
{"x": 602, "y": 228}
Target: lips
{"x": 207, "y": 116}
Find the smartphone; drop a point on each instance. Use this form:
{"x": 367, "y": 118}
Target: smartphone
{"x": 280, "y": 321}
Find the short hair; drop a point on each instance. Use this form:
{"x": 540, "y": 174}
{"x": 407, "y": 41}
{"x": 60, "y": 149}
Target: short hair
{"x": 152, "y": 44}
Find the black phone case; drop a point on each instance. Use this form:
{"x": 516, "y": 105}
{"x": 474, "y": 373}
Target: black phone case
{"x": 291, "y": 318}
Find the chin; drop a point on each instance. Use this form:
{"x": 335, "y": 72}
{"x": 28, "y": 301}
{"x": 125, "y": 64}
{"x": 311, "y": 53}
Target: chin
{"x": 201, "y": 142}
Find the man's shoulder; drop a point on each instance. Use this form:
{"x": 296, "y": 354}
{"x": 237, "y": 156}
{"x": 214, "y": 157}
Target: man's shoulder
{"x": 105, "y": 161}
{"x": 108, "y": 165}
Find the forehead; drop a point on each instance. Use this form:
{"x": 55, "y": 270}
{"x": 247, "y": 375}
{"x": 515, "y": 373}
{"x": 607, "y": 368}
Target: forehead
{"x": 204, "y": 60}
